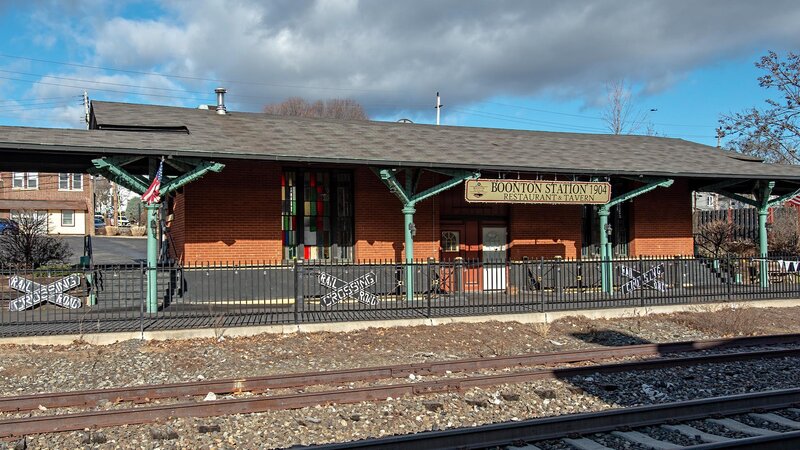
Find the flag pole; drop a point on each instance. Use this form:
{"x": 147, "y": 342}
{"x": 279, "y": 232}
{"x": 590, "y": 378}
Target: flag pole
{"x": 152, "y": 200}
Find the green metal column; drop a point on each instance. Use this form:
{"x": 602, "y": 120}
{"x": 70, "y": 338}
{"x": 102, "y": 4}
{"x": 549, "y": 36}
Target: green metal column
{"x": 605, "y": 255}
{"x": 409, "y": 200}
{"x": 152, "y": 258}
{"x": 408, "y": 216}
{"x": 112, "y": 167}
{"x": 606, "y": 273}
{"x": 763, "y": 248}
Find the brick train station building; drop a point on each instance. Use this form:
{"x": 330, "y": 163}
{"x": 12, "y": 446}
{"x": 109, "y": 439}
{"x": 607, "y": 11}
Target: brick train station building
{"x": 333, "y": 190}
{"x": 258, "y": 187}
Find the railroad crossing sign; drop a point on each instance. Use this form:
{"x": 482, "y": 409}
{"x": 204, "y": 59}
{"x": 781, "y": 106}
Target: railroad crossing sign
{"x": 342, "y": 290}
{"x": 38, "y": 293}
{"x": 638, "y": 280}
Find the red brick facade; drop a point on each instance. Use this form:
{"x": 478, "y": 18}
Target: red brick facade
{"x": 546, "y": 231}
{"x": 48, "y": 191}
{"x": 235, "y": 216}
{"x": 661, "y": 222}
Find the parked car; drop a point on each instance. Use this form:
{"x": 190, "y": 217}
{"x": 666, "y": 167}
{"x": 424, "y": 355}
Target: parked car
{"x": 123, "y": 221}
{"x": 8, "y": 226}
{"x": 99, "y": 222}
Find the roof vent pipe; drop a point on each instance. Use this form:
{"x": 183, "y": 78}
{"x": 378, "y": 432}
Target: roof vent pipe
{"x": 220, "y": 99}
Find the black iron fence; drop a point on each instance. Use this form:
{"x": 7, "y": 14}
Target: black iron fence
{"x": 219, "y": 296}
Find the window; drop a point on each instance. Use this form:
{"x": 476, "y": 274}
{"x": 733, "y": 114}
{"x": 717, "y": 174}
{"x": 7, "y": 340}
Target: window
{"x": 619, "y": 223}
{"x": 25, "y": 180}
{"x": 70, "y": 182}
{"x": 450, "y": 241}
{"x": 317, "y": 214}
{"x": 67, "y": 218}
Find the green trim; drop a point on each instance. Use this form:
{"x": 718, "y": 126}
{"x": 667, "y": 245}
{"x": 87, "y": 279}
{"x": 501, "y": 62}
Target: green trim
{"x": 195, "y": 174}
{"x": 765, "y": 189}
{"x": 409, "y": 200}
{"x": 109, "y": 169}
{"x": 784, "y": 197}
{"x": 606, "y": 274}
{"x": 394, "y": 186}
{"x": 441, "y": 187}
{"x": 740, "y": 198}
{"x": 655, "y": 183}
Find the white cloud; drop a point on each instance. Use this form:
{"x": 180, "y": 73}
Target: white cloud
{"x": 396, "y": 55}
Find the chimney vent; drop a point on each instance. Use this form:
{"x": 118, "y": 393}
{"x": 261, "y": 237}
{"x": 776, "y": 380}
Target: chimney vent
{"x": 220, "y": 100}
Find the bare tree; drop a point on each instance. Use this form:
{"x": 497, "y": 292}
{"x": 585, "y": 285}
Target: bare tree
{"x": 104, "y": 194}
{"x": 337, "y": 108}
{"x": 717, "y": 239}
{"x": 29, "y": 246}
{"x": 772, "y": 133}
{"x": 621, "y": 115}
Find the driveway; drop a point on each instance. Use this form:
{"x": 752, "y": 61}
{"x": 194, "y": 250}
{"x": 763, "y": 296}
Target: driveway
{"x": 110, "y": 249}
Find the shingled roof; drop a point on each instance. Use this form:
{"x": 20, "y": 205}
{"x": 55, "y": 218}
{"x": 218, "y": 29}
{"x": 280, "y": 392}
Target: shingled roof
{"x": 122, "y": 128}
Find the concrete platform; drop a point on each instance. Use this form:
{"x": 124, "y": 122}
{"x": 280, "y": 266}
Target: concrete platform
{"x": 340, "y": 327}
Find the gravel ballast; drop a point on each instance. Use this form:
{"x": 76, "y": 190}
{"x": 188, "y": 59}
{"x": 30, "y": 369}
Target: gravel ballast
{"x": 31, "y": 369}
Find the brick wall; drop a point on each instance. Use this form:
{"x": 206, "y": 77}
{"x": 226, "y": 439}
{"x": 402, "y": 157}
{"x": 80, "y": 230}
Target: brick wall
{"x": 661, "y": 222}
{"x": 234, "y": 215}
{"x": 177, "y": 226}
{"x": 538, "y": 231}
{"x": 379, "y": 220}
{"x": 48, "y": 190}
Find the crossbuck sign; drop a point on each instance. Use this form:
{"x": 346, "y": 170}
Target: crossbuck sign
{"x": 638, "y": 280}
{"x": 38, "y": 293}
{"x": 342, "y": 290}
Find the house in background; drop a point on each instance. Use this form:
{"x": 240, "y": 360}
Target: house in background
{"x": 65, "y": 198}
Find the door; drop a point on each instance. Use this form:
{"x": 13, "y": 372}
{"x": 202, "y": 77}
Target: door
{"x": 461, "y": 239}
{"x": 494, "y": 258}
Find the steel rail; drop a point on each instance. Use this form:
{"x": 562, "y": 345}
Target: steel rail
{"x": 107, "y": 418}
{"x": 145, "y": 393}
{"x": 533, "y": 430}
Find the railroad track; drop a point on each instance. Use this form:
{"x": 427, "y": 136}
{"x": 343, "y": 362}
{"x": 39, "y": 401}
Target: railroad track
{"x": 259, "y": 403}
{"x": 763, "y": 420}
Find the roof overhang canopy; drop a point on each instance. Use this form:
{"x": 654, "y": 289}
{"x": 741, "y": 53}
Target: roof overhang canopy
{"x": 121, "y": 129}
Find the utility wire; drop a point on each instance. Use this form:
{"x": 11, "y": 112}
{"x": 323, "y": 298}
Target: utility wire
{"x": 184, "y": 77}
{"x": 583, "y": 116}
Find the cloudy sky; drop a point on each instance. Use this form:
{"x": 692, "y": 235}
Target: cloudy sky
{"x": 532, "y": 64}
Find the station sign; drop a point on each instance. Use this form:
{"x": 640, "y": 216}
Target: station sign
{"x": 537, "y": 191}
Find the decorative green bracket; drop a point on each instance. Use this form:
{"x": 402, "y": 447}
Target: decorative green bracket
{"x": 195, "y": 174}
{"x": 740, "y": 198}
{"x": 112, "y": 168}
{"x": 784, "y": 197}
{"x": 409, "y": 201}
{"x": 762, "y": 203}
{"x": 114, "y": 172}
{"x": 606, "y": 276}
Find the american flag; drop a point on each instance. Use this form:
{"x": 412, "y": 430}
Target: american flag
{"x": 151, "y": 195}
{"x": 794, "y": 201}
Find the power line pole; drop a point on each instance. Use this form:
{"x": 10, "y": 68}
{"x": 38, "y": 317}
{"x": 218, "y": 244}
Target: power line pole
{"x": 86, "y": 108}
{"x": 115, "y": 203}
{"x": 438, "y": 107}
